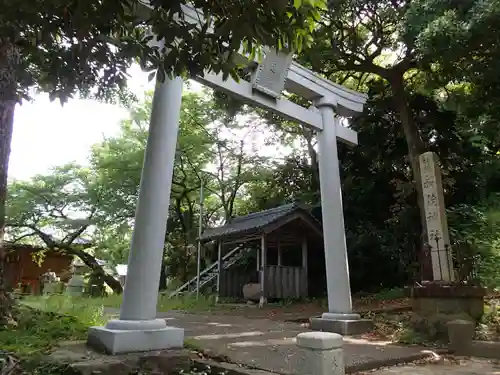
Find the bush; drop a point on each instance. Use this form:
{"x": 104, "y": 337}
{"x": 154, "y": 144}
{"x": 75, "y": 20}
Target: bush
{"x": 434, "y": 328}
{"x": 475, "y": 232}
{"x": 88, "y": 311}
{"x": 390, "y": 294}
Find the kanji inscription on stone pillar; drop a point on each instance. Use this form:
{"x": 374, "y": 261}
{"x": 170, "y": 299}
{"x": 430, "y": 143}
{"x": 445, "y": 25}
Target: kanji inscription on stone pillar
{"x": 435, "y": 218}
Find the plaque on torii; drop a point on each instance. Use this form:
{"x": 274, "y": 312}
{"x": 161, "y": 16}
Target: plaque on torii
{"x": 270, "y": 75}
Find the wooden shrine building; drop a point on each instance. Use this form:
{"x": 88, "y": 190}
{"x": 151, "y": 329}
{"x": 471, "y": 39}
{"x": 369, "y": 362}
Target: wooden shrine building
{"x": 26, "y": 264}
{"x": 277, "y": 251}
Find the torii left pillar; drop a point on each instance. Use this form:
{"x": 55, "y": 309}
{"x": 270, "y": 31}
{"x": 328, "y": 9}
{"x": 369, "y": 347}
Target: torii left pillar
{"x": 137, "y": 329}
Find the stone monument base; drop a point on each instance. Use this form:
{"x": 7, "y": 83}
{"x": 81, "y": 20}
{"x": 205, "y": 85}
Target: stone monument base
{"x": 343, "y": 324}
{"x": 447, "y": 298}
{"x": 435, "y": 304}
{"x": 120, "y": 337}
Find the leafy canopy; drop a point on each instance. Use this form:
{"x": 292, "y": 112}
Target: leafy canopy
{"x": 69, "y": 46}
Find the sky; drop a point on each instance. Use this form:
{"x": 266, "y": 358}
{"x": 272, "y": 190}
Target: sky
{"x": 47, "y": 134}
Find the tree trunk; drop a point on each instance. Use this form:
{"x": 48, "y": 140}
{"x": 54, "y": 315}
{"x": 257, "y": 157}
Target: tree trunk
{"x": 313, "y": 155}
{"x": 6, "y": 127}
{"x": 9, "y": 61}
{"x": 416, "y": 147}
{"x": 163, "y": 275}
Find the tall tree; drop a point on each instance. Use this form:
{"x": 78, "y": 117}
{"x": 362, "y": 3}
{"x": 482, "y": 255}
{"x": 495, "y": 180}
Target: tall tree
{"x": 236, "y": 153}
{"x": 118, "y": 161}
{"x": 58, "y": 212}
{"x": 214, "y": 147}
{"x": 363, "y": 38}
{"x": 461, "y": 39}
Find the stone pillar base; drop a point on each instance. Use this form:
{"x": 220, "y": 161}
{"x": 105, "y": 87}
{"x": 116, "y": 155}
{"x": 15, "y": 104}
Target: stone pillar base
{"x": 343, "y": 324}
{"x": 149, "y": 336}
{"x": 440, "y": 298}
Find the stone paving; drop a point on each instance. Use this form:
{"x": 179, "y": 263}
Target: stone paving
{"x": 270, "y": 345}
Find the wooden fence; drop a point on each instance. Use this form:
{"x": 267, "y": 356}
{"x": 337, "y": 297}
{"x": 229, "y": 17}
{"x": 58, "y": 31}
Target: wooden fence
{"x": 279, "y": 282}
{"x": 285, "y": 282}
{"x": 232, "y": 282}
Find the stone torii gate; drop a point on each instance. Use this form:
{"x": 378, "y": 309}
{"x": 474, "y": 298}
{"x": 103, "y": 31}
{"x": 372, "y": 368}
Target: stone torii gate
{"x": 137, "y": 328}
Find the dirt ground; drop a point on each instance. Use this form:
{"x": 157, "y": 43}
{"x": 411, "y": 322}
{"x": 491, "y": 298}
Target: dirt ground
{"x": 301, "y": 312}
{"x": 442, "y": 366}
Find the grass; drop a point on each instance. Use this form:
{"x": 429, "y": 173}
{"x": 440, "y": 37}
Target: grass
{"x": 38, "y": 331}
{"x": 390, "y": 294}
{"x": 43, "y": 321}
{"x": 60, "y": 302}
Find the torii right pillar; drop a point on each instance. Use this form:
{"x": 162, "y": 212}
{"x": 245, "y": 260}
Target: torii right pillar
{"x": 340, "y": 317}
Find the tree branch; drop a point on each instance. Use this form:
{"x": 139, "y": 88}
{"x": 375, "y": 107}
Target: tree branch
{"x": 47, "y": 239}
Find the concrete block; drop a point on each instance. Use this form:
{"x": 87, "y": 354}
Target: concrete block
{"x": 322, "y": 354}
{"x": 115, "y": 341}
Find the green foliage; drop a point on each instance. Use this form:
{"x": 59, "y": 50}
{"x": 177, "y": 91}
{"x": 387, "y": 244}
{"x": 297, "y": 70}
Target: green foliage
{"x": 489, "y": 327}
{"x": 58, "y": 211}
{"x": 390, "y": 294}
{"x": 38, "y": 331}
{"x": 381, "y": 217}
{"x": 214, "y": 148}
{"x": 475, "y": 230}
{"x": 70, "y": 47}
{"x": 433, "y": 328}
{"x": 56, "y": 208}
{"x": 459, "y": 40}
{"x": 43, "y": 322}
{"x": 427, "y": 91}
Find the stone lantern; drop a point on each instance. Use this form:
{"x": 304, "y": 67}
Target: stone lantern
{"x": 76, "y": 283}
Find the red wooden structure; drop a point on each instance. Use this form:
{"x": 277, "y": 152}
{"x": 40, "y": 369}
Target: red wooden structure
{"x": 23, "y": 271}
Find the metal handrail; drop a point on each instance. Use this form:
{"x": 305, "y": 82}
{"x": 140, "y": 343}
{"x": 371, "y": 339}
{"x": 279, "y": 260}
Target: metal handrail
{"x": 206, "y": 270}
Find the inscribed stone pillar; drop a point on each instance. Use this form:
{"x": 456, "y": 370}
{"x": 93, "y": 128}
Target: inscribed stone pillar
{"x": 435, "y": 218}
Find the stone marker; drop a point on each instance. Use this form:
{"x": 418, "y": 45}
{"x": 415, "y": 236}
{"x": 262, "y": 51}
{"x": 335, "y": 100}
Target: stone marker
{"x": 435, "y": 218}
{"x": 322, "y": 354}
{"x": 76, "y": 285}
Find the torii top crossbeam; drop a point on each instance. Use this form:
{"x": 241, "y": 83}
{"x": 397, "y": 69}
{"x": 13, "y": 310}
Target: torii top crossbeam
{"x": 297, "y": 80}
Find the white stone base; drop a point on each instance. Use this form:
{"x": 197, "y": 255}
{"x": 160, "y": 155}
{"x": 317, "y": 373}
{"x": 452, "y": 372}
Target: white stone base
{"x": 340, "y": 316}
{"x": 120, "y": 341}
{"x": 344, "y": 324}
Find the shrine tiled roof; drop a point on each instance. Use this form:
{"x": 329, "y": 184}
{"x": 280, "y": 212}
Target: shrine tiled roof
{"x": 254, "y": 222}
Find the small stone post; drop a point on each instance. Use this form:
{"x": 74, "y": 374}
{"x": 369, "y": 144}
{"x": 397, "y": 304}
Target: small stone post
{"x": 322, "y": 354}
{"x": 460, "y": 334}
